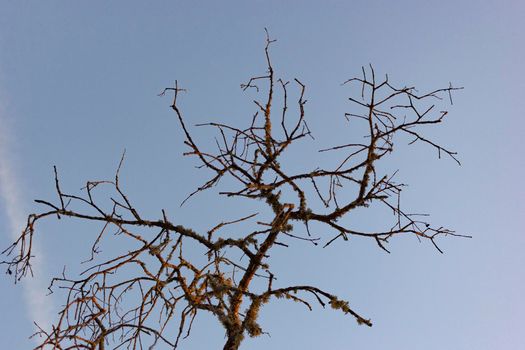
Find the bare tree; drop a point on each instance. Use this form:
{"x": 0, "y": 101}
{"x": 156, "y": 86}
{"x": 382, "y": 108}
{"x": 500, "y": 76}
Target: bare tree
{"x": 151, "y": 294}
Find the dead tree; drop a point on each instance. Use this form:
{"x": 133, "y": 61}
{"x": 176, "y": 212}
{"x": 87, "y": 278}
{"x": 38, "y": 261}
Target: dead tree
{"x": 152, "y": 293}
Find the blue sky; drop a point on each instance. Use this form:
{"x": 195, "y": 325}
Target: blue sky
{"x": 79, "y": 83}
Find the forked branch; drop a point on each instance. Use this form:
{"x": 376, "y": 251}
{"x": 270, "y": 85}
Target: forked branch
{"x": 136, "y": 298}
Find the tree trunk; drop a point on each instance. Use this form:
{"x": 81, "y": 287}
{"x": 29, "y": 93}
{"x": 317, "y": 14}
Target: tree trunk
{"x": 235, "y": 338}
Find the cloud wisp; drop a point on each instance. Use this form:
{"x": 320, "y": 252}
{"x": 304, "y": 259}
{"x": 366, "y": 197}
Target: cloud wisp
{"x": 39, "y": 307}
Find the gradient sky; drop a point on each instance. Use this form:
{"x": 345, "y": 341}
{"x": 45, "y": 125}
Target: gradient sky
{"x": 79, "y": 83}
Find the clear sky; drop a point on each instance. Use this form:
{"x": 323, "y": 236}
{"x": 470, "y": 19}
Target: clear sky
{"x": 79, "y": 83}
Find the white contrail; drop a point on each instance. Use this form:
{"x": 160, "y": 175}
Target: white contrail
{"x": 39, "y": 307}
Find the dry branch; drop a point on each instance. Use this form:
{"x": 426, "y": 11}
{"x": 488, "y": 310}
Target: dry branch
{"x": 136, "y": 299}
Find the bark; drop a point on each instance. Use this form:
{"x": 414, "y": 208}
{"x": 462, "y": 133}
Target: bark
{"x": 235, "y": 338}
